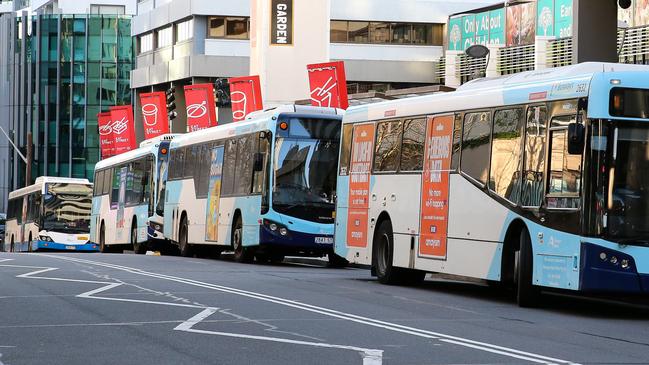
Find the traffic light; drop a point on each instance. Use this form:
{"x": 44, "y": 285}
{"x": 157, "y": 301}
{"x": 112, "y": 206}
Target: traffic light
{"x": 171, "y": 103}
{"x": 222, "y": 87}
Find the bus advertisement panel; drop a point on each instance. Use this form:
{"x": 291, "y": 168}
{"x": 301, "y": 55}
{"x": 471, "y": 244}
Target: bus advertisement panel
{"x": 359, "y": 184}
{"x": 214, "y": 196}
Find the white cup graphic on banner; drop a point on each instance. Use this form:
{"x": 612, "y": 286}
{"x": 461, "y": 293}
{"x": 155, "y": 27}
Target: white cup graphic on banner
{"x": 239, "y": 99}
{"x": 150, "y": 114}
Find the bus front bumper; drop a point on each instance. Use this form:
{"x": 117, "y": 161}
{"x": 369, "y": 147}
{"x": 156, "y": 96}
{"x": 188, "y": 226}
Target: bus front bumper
{"x": 296, "y": 242}
{"x": 607, "y": 270}
{"x": 48, "y": 245}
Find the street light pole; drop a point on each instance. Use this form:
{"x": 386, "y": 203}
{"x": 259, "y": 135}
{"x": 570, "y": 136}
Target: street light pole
{"x": 27, "y": 160}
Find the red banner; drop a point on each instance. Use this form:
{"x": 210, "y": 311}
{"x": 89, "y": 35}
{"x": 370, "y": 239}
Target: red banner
{"x": 359, "y": 185}
{"x": 154, "y": 114}
{"x": 328, "y": 84}
{"x": 201, "y": 106}
{"x": 245, "y": 94}
{"x": 106, "y": 140}
{"x": 123, "y": 128}
{"x": 434, "y": 187}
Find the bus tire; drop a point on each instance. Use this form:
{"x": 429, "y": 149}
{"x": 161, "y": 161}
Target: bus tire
{"x": 528, "y": 294}
{"x": 184, "y": 248}
{"x": 241, "y": 253}
{"x": 12, "y": 245}
{"x": 138, "y": 247}
{"x": 103, "y": 248}
{"x": 29, "y": 243}
{"x": 382, "y": 259}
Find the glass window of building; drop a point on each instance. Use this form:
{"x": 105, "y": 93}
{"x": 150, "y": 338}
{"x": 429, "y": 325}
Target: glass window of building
{"x": 401, "y": 32}
{"x": 185, "y": 30}
{"x": 108, "y": 9}
{"x": 358, "y": 32}
{"x": 338, "y": 31}
{"x": 229, "y": 27}
{"x": 165, "y": 37}
{"x": 379, "y": 32}
{"x": 146, "y": 43}
{"x": 343, "y": 31}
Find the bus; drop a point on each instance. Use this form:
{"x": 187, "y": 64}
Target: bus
{"x": 537, "y": 180}
{"x": 125, "y": 195}
{"x": 263, "y": 188}
{"x": 51, "y": 214}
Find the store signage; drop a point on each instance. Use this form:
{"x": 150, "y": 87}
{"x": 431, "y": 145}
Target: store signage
{"x": 106, "y": 140}
{"x": 122, "y": 128}
{"x": 281, "y": 22}
{"x": 154, "y": 114}
{"x": 245, "y": 95}
{"x": 201, "y": 106}
{"x": 359, "y": 185}
{"x": 328, "y": 84}
{"x": 435, "y": 187}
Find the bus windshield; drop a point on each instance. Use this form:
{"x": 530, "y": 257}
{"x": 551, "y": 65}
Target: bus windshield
{"x": 305, "y": 170}
{"x": 66, "y": 208}
{"x": 628, "y": 203}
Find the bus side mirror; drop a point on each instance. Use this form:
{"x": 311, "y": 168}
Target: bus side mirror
{"x": 576, "y": 137}
{"x": 258, "y": 164}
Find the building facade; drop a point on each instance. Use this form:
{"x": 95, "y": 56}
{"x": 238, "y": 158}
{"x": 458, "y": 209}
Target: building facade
{"x": 57, "y": 71}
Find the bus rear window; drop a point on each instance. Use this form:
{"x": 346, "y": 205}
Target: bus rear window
{"x": 629, "y": 103}
{"x": 313, "y": 128}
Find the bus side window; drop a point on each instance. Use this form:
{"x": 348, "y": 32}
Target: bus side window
{"x": 476, "y": 145}
{"x": 108, "y": 178}
{"x": 98, "y": 183}
{"x": 506, "y": 154}
{"x": 534, "y": 164}
{"x": 202, "y": 178}
{"x": 229, "y": 163}
{"x": 346, "y": 149}
{"x": 114, "y": 195}
{"x": 412, "y": 146}
{"x": 259, "y": 177}
{"x": 564, "y": 183}
{"x": 243, "y": 175}
{"x": 10, "y": 210}
{"x": 457, "y": 142}
{"x": 387, "y": 146}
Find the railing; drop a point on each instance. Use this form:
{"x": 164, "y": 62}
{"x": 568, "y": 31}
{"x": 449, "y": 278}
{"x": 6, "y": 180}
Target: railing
{"x": 559, "y": 52}
{"x": 634, "y": 44}
{"x": 515, "y": 59}
{"x": 439, "y": 70}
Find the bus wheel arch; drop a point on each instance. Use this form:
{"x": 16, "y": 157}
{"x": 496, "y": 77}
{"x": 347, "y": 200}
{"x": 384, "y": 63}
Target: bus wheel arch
{"x": 241, "y": 253}
{"x": 383, "y": 254}
{"x": 511, "y": 247}
{"x": 138, "y": 248}
{"x": 12, "y": 244}
{"x": 184, "y": 248}
{"x": 102, "y": 237}
{"x": 527, "y": 294}
{"x": 29, "y": 243}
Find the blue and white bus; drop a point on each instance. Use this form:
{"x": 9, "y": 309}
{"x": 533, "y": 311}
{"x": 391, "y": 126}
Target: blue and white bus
{"x": 537, "y": 180}
{"x": 263, "y": 187}
{"x": 125, "y": 196}
{"x": 51, "y": 214}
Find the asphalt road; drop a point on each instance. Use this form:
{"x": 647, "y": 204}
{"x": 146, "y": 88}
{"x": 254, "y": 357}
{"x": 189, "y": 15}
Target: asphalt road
{"x": 126, "y": 309}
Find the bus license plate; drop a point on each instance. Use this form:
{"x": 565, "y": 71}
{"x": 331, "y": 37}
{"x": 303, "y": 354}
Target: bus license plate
{"x": 70, "y": 247}
{"x": 324, "y": 240}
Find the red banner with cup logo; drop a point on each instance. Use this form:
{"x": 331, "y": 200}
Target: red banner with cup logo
{"x": 201, "y": 112}
{"x": 154, "y": 114}
{"x": 123, "y": 128}
{"x": 328, "y": 84}
{"x": 245, "y": 95}
{"x": 106, "y": 140}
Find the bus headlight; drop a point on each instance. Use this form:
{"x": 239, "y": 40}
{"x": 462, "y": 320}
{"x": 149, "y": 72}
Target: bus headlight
{"x": 283, "y": 231}
{"x": 45, "y": 238}
{"x": 273, "y": 227}
{"x": 276, "y": 228}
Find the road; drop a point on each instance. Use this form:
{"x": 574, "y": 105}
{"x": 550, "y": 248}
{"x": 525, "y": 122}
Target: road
{"x": 59, "y": 308}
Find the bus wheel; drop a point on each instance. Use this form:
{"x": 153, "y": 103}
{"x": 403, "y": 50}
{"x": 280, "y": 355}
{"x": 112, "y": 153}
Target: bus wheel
{"x": 103, "y": 247}
{"x": 12, "y": 246}
{"x": 183, "y": 246}
{"x": 528, "y": 295}
{"x": 29, "y": 243}
{"x": 382, "y": 259}
{"x": 138, "y": 247}
{"x": 241, "y": 254}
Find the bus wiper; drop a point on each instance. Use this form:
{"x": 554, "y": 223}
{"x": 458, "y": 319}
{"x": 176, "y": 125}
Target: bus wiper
{"x": 638, "y": 241}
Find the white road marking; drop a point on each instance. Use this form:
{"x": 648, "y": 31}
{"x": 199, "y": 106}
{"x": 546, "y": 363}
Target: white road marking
{"x": 369, "y": 356}
{"x": 5, "y": 260}
{"x": 478, "y": 345}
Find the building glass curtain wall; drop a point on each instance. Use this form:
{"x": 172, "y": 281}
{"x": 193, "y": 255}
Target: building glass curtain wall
{"x": 65, "y": 70}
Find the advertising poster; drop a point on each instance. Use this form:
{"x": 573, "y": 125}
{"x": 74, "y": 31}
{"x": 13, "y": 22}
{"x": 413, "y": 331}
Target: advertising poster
{"x": 281, "y": 22}
{"x": 154, "y": 114}
{"x": 545, "y": 18}
{"x": 521, "y": 24}
{"x": 201, "y": 106}
{"x": 359, "y": 185}
{"x": 214, "y": 196}
{"x": 468, "y": 31}
{"x": 106, "y": 139}
{"x": 328, "y": 84}
{"x": 122, "y": 128}
{"x": 245, "y": 95}
{"x": 641, "y": 16}
{"x": 563, "y": 18}
{"x": 123, "y": 174}
{"x": 435, "y": 186}
{"x": 497, "y": 27}
{"x": 455, "y": 34}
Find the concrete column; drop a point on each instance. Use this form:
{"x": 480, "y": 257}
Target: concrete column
{"x": 452, "y": 70}
{"x": 541, "y": 44}
{"x": 281, "y": 63}
{"x": 594, "y": 33}
{"x": 494, "y": 58}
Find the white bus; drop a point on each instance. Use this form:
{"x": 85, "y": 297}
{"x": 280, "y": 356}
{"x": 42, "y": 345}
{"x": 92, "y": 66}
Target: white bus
{"x": 124, "y": 197}
{"x": 51, "y": 214}
{"x": 536, "y": 180}
{"x": 263, "y": 187}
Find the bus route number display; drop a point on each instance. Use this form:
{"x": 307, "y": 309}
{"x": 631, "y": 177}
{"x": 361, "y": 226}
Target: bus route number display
{"x": 359, "y": 185}
{"x": 435, "y": 186}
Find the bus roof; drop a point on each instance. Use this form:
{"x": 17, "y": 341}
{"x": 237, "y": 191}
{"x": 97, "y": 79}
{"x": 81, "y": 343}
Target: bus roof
{"x": 525, "y": 87}
{"x": 42, "y": 180}
{"x": 256, "y": 121}
{"x": 126, "y": 156}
